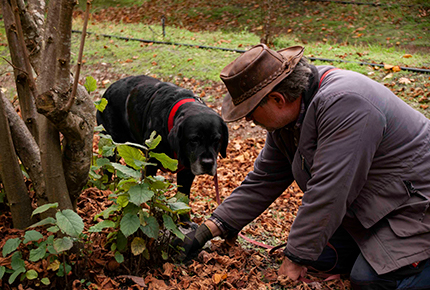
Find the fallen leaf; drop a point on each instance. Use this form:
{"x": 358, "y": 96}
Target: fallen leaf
{"x": 138, "y": 280}
{"x": 404, "y": 81}
{"x": 388, "y": 66}
{"x": 407, "y": 56}
{"x": 219, "y": 277}
{"x": 388, "y": 76}
{"x": 396, "y": 68}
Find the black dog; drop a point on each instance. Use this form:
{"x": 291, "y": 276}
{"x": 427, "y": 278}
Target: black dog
{"x": 191, "y": 132}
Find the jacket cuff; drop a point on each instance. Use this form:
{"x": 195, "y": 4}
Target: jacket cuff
{"x": 296, "y": 259}
{"x": 227, "y": 231}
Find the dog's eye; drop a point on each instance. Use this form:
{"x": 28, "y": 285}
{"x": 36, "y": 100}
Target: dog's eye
{"x": 194, "y": 140}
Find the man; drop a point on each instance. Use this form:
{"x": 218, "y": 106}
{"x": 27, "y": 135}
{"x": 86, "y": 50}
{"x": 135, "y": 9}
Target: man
{"x": 361, "y": 156}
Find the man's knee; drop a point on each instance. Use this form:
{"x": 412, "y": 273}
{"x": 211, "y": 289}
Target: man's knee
{"x": 363, "y": 277}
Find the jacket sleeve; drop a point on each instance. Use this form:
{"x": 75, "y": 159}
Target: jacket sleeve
{"x": 349, "y": 129}
{"x": 270, "y": 177}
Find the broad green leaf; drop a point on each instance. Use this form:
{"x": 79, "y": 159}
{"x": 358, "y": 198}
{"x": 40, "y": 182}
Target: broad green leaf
{"x": 159, "y": 182}
{"x": 129, "y": 224}
{"x": 165, "y": 160}
{"x": 140, "y": 193}
{"x": 31, "y": 274}
{"x": 163, "y": 206}
{"x": 45, "y": 221}
{"x": 151, "y": 227}
{"x": 138, "y": 245}
{"x": 61, "y": 273}
{"x": 45, "y": 281}
{"x": 127, "y": 170}
{"x": 145, "y": 254}
{"x": 103, "y": 162}
{"x": 10, "y": 246}
{"x": 31, "y": 236}
{"x": 101, "y": 104}
{"x": 107, "y": 212}
{"x": 123, "y": 200}
{"x": 94, "y": 175}
{"x": 171, "y": 226}
{"x": 91, "y": 86}
{"x": 130, "y": 154}
{"x": 2, "y": 271}
{"x": 38, "y": 253}
{"x": 99, "y": 128}
{"x": 121, "y": 241}
{"x": 63, "y": 244}
{"x": 15, "y": 274}
{"x": 44, "y": 208}
{"x": 142, "y": 164}
{"x": 119, "y": 257}
{"x": 70, "y": 222}
{"x": 107, "y": 150}
{"x": 182, "y": 197}
{"x": 153, "y": 141}
{"x": 53, "y": 229}
{"x": 179, "y": 207}
{"x": 132, "y": 209}
{"x": 17, "y": 262}
{"x": 101, "y": 225}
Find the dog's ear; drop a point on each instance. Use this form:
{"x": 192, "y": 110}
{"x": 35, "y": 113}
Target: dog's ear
{"x": 224, "y": 141}
{"x": 174, "y": 138}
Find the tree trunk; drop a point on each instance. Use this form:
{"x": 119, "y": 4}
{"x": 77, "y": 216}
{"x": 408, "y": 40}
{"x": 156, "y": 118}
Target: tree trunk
{"x": 13, "y": 180}
{"x": 49, "y": 137}
{"x": 27, "y": 150}
{"x": 22, "y": 78}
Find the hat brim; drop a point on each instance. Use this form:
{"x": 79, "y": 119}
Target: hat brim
{"x": 231, "y": 113}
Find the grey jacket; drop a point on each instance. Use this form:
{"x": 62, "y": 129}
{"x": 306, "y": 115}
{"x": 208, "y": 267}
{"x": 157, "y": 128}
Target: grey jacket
{"x": 362, "y": 158}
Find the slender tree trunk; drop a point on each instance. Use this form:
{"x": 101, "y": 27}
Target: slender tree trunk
{"x": 49, "y": 136}
{"x": 27, "y": 150}
{"x": 13, "y": 180}
{"x": 23, "y": 83}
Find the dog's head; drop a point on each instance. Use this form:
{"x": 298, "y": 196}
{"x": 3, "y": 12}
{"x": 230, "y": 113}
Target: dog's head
{"x": 197, "y": 139}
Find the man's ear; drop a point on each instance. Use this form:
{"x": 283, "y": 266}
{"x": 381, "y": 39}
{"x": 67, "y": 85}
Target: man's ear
{"x": 278, "y": 98}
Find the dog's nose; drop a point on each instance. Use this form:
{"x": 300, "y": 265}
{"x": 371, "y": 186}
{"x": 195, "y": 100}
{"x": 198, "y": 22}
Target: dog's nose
{"x": 207, "y": 163}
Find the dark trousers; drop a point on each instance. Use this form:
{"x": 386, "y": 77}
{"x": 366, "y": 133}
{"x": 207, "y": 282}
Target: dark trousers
{"x": 362, "y": 276}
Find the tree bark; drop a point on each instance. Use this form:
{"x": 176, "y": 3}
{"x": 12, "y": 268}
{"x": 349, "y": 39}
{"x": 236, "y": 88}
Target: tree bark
{"x": 49, "y": 136}
{"x": 13, "y": 180}
{"x": 27, "y": 150}
{"x": 22, "y": 78}
{"x": 32, "y": 20}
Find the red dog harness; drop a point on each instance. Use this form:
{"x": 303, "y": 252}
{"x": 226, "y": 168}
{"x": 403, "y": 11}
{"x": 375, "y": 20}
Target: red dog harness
{"x": 170, "y": 126}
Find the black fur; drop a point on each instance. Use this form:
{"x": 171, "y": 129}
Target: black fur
{"x": 139, "y": 105}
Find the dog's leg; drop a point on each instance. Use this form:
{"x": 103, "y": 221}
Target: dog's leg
{"x": 185, "y": 179}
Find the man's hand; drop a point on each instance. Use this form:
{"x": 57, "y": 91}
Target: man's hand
{"x": 292, "y": 270}
{"x": 193, "y": 242}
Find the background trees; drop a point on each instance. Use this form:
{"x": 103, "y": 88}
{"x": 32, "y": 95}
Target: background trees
{"x": 54, "y": 140}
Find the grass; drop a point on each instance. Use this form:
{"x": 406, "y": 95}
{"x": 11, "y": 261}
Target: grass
{"x": 321, "y": 20}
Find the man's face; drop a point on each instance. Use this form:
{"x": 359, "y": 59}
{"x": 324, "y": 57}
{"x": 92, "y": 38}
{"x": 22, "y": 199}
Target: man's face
{"x": 276, "y": 113}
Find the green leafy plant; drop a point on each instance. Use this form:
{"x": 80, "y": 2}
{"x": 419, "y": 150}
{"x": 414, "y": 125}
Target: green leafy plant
{"x": 142, "y": 219}
{"x": 66, "y": 229}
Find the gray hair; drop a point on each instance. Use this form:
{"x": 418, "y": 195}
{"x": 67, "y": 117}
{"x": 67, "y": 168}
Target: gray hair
{"x": 293, "y": 86}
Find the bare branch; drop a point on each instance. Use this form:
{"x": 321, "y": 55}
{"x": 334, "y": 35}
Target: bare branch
{"x": 81, "y": 50}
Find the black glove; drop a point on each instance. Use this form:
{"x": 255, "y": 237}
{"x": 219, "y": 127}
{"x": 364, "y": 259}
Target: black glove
{"x": 193, "y": 242}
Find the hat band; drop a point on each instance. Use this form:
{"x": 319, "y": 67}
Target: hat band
{"x": 261, "y": 85}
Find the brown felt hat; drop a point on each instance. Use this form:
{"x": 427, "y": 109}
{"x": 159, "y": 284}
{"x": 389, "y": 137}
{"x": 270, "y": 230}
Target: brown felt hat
{"x": 253, "y": 75}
